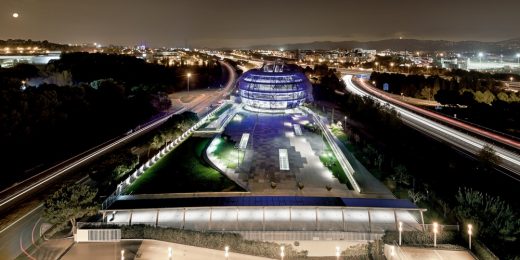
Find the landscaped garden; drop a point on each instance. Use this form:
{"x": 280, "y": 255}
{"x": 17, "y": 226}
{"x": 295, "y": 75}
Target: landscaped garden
{"x": 183, "y": 170}
{"x": 226, "y": 152}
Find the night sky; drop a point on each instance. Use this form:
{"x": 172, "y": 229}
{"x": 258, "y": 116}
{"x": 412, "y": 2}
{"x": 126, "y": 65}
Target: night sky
{"x": 242, "y": 23}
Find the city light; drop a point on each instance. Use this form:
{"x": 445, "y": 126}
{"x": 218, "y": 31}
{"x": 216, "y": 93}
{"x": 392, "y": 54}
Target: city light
{"x": 435, "y": 226}
{"x": 188, "y": 76}
{"x": 470, "y": 233}
{"x": 400, "y": 231}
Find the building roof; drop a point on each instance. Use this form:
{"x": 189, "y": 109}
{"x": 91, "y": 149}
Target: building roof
{"x": 131, "y": 202}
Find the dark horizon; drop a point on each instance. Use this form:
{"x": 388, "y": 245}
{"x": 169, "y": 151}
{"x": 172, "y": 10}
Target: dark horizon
{"x": 235, "y": 23}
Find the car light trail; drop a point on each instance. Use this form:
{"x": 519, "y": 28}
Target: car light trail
{"x": 510, "y": 160}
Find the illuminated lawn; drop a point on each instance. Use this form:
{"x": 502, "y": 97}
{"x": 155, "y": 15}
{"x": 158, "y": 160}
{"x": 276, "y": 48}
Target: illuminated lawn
{"x": 331, "y": 162}
{"x": 183, "y": 170}
{"x": 225, "y": 151}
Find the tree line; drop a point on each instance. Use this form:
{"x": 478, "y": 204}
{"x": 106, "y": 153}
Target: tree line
{"x": 476, "y": 97}
{"x": 107, "y": 95}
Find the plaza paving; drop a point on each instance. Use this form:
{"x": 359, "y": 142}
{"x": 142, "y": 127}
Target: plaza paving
{"x": 147, "y": 249}
{"x": 260, "y": 167}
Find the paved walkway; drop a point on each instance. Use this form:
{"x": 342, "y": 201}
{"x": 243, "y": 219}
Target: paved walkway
{"x": 147, "y": 249}
{"x": 52, "y": 249}
{"x": 325, "y": 248}
{"x": 260, "y": 167}
{"x": 429, "y": 254}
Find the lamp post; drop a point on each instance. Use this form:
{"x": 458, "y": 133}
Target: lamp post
{"x": 400, "y": 231}
{"x": 338, "y": 253}
{"x": 518, "y": 59}
{"x": 480, "y": 55}
{"x": 391, "y": 66}
{"x": 282, "y": 252}
{"x": 435, "y": 226}
{"x": 377, "y": 63}
{"x": 226, "y": 252}
{"x": 170, "y": 253}
{"x": 189, "y": 76}
{"x": 470, "y": 232}
{"x": 122, "y": 254}
{"x": 345, "y": 123}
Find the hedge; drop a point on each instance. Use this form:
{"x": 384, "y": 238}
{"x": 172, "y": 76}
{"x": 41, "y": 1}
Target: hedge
{"x": 421, "y": 238}
{"x": 212, "y": 240}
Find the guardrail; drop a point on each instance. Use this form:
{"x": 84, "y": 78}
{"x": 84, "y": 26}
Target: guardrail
{"x": 159, "y": 155}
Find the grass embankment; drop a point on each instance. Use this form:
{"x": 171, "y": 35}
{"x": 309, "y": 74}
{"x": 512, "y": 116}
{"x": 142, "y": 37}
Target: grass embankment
{"x": 330, "y": 161}
{"x": 226, "y": 152}
{"x": 183, "y": 170}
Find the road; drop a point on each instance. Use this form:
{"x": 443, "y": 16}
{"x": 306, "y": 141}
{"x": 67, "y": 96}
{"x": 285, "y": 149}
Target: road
{"x": 413, "y": 116}
{"x": 18, "y": 236}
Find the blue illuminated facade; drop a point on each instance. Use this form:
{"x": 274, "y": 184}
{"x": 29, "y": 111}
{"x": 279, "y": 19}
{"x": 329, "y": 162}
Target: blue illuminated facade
{"x": 276, "y": 86}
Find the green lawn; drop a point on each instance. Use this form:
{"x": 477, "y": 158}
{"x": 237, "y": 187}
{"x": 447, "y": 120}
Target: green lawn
{"x": 331, "y": 162}
{"x": 227, "y": 153}
{"x": 183, "y": 170}
{"x": 339, "y": 133}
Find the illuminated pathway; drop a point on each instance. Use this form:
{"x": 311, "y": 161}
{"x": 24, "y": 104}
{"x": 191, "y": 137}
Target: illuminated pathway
{"x": 509, "y": 160}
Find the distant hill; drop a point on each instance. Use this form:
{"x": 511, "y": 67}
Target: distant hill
{"x": 506, "y": 47}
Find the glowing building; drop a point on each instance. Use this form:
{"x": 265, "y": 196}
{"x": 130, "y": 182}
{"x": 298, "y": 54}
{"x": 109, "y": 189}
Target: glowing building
{"x": 275, "y": 86}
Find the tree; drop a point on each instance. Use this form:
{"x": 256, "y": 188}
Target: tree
{"x": 416, "y": 197}
{"x": 487, "y": 155}
{"x": 492, "y": 216}
{"x": 402, "y": 175}
{"x": 70, "y": 203}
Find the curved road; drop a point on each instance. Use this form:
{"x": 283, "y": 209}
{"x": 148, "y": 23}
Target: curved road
{"x": 20, "y": 234}
{"x": 416, "y": 118}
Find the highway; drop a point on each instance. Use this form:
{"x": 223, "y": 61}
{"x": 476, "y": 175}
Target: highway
{"x": 415, "y": 117}
{"x": 17, "y": 236}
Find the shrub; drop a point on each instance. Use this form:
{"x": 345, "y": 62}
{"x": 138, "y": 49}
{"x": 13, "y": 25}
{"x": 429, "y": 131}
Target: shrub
{"x": 211, "y": 240}
{"x": 420, "y": 237}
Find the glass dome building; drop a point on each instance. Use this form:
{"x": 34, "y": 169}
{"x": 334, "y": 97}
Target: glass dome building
{"x": 275, "y": 86}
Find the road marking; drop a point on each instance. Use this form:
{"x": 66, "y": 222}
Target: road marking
{"x": 34, "y": 228}
{"x": 23, "y": 249}
{"x": 18, "y": 220}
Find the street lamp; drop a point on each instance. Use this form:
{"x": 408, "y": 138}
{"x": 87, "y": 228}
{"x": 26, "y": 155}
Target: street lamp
{"x": 435, "y": 226}
{"x": 480, "y": 55}
{"x": 400, "y": 231}
{"x": 391, "y": 65}
{"x": 470, "y": 232}
{"x": 377, "y": 63}
{"x": 345, "y": 124}
{"x": 511, "y": 79}
{"x": 518, "y": 58}
{"x": 123, "y": 254}
{"x": 282, "y": 252}
{"x": 337, "y": 253}
{"x": 170, "y": 253}
{"x": 189, "y": 76}
{"x": 226, "y": 252}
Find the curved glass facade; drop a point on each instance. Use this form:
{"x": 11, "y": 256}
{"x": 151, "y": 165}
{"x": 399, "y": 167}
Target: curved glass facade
{"x": 274, "y": 86}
